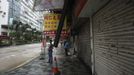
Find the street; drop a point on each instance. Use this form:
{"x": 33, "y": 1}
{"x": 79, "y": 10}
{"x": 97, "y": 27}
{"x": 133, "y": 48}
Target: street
{"x": 67, "y": 65}
{"x": 66, "y": 37}
{"x": 14, "y": 56}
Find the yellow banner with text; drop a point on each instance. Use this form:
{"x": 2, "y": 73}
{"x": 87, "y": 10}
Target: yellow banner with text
{"x": 51, "y": 22}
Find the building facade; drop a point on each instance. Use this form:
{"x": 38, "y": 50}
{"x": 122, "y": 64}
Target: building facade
{"x": 29, "y": 16}
{"x": 21, "y": 10}
{"x": 4, "y": 4}
{"x": 105, "y": 37}
{"x": 14, "y": 9}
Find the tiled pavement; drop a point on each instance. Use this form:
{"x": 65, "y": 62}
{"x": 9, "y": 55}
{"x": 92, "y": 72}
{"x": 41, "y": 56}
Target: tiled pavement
{"x": 69, "y": 65}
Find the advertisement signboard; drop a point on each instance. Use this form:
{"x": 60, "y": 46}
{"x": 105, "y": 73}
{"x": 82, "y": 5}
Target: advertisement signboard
{"x": 51, "y": 22}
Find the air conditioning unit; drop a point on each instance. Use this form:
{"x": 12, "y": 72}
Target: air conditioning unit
{"x": 1, "y": 11}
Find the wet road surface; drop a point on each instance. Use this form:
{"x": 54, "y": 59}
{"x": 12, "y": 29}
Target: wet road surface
{"x": 13, "y": 56}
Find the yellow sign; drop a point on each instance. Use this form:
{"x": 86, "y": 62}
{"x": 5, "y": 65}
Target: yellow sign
{"x": 51, "y": 22}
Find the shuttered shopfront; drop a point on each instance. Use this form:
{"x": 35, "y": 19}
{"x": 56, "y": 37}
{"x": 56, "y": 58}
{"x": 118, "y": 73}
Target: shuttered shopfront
{"x": 84, "y": 51}
{"x": 113, "y": 29}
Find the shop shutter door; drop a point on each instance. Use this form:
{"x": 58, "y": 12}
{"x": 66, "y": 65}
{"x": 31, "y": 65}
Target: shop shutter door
{"x": 84, "y": 43}
{"x": 113, "y": 28}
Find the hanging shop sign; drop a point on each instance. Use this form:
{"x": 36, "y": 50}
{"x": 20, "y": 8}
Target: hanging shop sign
{"x": 51, "y": 22}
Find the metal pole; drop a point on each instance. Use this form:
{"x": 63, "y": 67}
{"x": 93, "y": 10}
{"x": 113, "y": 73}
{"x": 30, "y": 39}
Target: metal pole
{"x": 61, "y": 23}
{"x": 92, "y": 46}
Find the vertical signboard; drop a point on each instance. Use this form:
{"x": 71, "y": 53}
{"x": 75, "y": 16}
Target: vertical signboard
{"x": 51, "y": 22}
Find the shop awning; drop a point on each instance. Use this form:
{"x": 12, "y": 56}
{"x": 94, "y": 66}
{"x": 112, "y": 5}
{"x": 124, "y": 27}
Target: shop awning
{"x": 41, "y": 5}
{"x": 46, "y": 5}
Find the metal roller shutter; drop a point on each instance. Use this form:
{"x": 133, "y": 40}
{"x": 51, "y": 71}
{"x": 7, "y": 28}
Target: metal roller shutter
{"x": 113, "y": 28}
{"x": 84, "y": 43}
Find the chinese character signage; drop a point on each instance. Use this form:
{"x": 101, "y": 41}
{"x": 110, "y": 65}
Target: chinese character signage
{"x": 64, "y": 33}
{"x": 51, "y": 22}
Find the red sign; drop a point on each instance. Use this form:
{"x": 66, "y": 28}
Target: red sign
{"x": 53, "y": 33}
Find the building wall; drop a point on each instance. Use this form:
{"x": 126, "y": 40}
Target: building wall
{"x": 21, "y": 10}
{"x": 113, "y": 39}
{"x": 113, "y": 28}
{"x": 14, "y": 9}
{"x": 29, "y": 16}
{"x": 3, "y": 14}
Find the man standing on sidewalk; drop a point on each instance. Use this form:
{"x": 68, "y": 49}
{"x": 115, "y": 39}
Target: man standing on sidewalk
{"x": 50, "y": 54}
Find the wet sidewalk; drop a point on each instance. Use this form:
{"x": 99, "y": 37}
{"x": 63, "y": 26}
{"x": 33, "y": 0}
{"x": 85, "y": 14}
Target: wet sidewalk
{"x": 68, "y": 65}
